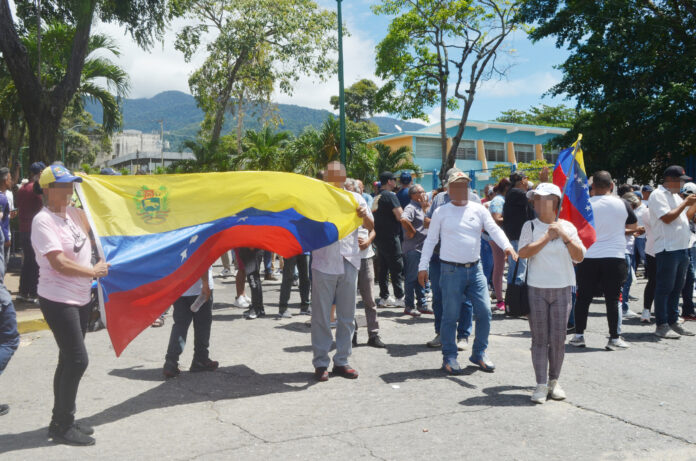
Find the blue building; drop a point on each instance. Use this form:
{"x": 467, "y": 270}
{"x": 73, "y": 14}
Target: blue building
{"x": 483, "y": 146}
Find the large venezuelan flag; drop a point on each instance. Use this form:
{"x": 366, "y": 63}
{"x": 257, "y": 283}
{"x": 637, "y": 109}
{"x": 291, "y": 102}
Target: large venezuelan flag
{"x": 576, "y": 206}
{"x": 161, "y": 233}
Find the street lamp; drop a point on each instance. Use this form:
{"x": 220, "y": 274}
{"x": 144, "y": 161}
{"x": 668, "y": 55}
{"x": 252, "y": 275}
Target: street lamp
{"x": 341, "y": 96}
{"x": 64, "y": 131}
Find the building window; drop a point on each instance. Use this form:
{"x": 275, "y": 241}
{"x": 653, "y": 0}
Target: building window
{"x": 495, "y": 151}
{"x": 524, "y": 153}
{"x": 551, "y": 156}
{"x": 466, "y": 150}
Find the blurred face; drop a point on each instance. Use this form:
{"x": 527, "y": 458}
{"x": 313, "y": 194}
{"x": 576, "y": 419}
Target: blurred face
{"x": 336, "y": 174}
{"x": 646, "y": 195}
{"x": 546, "y": 207}
{"x": 361, "y": 187}
{"x": 459, "y": 191}
{"x": 419, "y": 196}
{"x": 58, "y": 196}
{"x": 349, "y": 186}
{"x": 674, "y": 185}
{"x": 8, "y": 181}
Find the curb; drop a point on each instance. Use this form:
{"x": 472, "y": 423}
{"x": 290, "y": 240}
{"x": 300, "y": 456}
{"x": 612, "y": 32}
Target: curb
{"x": 30, "y": 326}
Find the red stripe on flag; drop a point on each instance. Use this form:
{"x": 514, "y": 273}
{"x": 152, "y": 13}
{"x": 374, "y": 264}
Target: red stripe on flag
{"x": 586, "y": 232}
{"x": 128, "y": 313}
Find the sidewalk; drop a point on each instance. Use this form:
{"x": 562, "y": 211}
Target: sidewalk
{"x": 29, "y": 317}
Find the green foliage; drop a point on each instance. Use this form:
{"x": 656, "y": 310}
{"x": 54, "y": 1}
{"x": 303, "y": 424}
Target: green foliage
{"x": 209, "y": 157}
{"x": 632, "y": 66}
{"x": 159, "y": 170}
{"x": 263, "y": 150}
{"x": 558, "y": 116}
{"x": 124, "y": 171}
{"x": 532, "y": 169}
{"x": 393, "y": 160}
{"x": 362, "y": 99}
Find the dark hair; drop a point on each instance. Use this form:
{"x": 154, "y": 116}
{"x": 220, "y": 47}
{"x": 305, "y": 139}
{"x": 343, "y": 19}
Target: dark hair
{"x": 502, "y": 187}
{"x": 624, "y": 189}
{"x": 4, "y": 171}
{"x": 320, "y": 175}
{"x": 602, "y": 180}
{"x": 516, "y": 177}
{"x": 37, "y": 188}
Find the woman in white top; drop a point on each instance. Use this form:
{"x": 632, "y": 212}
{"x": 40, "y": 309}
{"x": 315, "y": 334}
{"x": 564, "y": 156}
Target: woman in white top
{"x": 552, "y": 247}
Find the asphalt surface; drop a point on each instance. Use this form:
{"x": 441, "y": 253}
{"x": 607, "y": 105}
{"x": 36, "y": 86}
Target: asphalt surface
{"x": 263, "y": 402}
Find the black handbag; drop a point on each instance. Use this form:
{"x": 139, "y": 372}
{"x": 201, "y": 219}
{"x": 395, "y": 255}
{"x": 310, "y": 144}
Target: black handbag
{"x": 516, "y": 296}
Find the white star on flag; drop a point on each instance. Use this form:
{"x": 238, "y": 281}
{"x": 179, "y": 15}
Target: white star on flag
{"x": 588, "y": 208}
{"x": 183, "y": 255}
{"x": 242, "y": 219}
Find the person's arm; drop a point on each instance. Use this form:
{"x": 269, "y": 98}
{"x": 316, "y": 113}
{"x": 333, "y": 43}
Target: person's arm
{"x": 406, "y": 218}
{"x": 631, "y": 219}
{"x": 671, "y": 215}
{"x": 65, "y": 266}
{"x": 571, "y": 240}
{"x": 205, "y": 286}
{"x": 691, "y": 212}
{"x": 428, "y": 247}
{"x": 364, "y": 243}
{"x": 397, "y": 212}
{"x": 497, "y": 234}
{"x": 365, "y": 213}
{"x": 528, "y": 247}
{"x": 498, "y": 218}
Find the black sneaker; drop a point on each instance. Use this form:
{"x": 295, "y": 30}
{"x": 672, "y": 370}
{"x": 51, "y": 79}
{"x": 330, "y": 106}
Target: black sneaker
{"x": 355, "y": 338}
{"x": 260, "y": 312}
{"x": 82, "y": 427}
{"x": 205, "y": 365}
{"x": 170, "y": 371}
{"x": 73, "y": 437}
{"x": 376, "y": 341}
{"x": 250, "y": 314}
{"x": 4, "y": 409}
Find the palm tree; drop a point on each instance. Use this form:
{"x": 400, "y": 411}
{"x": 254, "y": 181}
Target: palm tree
{"x": 208, "y": 157}
{"x": 262, "y": 150}
{"x": 389, "y": 160}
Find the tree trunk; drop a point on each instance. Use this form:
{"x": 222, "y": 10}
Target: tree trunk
{"x": 460, "y": 131}
{"x": 240, "y": 121}
{"x": 43, "y": 138}
{"x": 224, "y": 98}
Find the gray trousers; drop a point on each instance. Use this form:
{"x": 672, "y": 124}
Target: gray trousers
{"x": 366, "y": 280}
{"x": 327, "y": 288}
{"x": 549, "y": 309}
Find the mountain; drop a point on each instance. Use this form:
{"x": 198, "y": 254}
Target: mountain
{"x": 182, "y": 118}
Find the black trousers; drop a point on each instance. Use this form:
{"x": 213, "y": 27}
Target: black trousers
{"x": 252, "y": 260}
{"x": 651, "y": 272}
{"x": 68, "y": 324}
{"x": 302, "y": 263}
{"x": 391, "y": 262}
{"x": 609, "y": 274}
{"x": 29, "y": 277}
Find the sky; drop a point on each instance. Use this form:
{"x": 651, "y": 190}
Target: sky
{"x": 531, "y": 71}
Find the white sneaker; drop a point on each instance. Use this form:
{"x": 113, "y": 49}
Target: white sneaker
{"x": 555, "y": 391}
{"x": 629, "y": 314}
{"x": 617, "y": 344}
{"x": 225, "y": 273}
{"x": 645, "y": 318}
{"x": 387, "y": 302}
{"x": 398, "y": 302}
{"x": 435, "y": 342}
{"x": 577, "y": 341}
{"x": 241, "y": 301}
{"x": 247, "y": 299}
{"x": 540, "y": 393}
{"x": 463, "y": 344}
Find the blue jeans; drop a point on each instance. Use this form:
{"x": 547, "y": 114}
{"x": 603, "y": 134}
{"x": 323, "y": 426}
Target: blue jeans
{"x": 456, "y": 282}
{"x": 487, "y": 260}
{"x": 688, "y": 290}
{"x": 411, "y": 285}
{"x": 465, "y": 315}
{"x": 267, "y": 262}
{"x": 511, "y": 266}
{"x": 630, "y": 260}
{"x": 671, "y": 267}
{"x": 9, "y": 337}
{"x": 640, "y": 252}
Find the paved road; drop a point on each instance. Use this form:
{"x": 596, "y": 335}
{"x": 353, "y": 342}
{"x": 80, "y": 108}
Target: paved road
{"x": 263, "y": 403}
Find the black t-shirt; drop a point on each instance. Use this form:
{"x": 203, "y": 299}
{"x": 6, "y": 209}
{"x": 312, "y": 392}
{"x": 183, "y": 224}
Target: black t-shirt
{"x": 516, "y": 212}
{"x": 386, "y": 225}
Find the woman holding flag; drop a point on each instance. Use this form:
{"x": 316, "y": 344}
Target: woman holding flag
{"x": 551, "y": 246}
{"x": 60, "y": 238}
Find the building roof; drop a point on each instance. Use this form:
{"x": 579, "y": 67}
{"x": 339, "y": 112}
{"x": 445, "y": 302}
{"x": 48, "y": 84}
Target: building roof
{"x": 434, "y": 130}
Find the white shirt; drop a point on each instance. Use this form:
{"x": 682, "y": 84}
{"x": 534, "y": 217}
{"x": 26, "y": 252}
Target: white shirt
{"x": 643, "y": 215}
{"x": 10, "y": 202}
{"x": 675, "y": 235}
{"x": 458, "y": 228}
{"x": 552, "y": 267}
{"x": 197, "y": 287}
{"x": 610, "y": 215}
{"x": 329, "y": 259}
{"x": 369, "y": 251}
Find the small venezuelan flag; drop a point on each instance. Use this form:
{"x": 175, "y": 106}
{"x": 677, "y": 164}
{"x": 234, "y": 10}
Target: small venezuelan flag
{"x": 161, "y": 233}
{"x": 576, "y": 206}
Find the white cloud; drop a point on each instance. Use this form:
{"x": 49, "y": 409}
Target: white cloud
{"x": 534, "y": 84}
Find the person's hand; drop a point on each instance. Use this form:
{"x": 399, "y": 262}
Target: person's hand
{"x": 555, "y": 231}
{"x": 363, "y": 243}
{"x": 205, "y": 291}
{"x": 362, "y": 211}
{"x": 422, "y": 278}
{"x": 510, "y": 252}
{"x": 639, "y": 231}
{"x": 690, "y": 199}
{"x": 101, "y": 269}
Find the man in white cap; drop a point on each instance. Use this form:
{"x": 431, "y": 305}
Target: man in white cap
{"x": 458, "y": 226}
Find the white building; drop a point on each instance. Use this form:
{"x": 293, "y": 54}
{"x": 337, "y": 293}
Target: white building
{"x": 135, "y": 150}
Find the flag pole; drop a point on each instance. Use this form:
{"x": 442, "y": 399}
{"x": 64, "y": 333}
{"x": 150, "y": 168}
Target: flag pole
{"x": 570, "y": 175}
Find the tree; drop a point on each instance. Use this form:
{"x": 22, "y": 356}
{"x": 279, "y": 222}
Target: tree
{"x": 271, "y": 40}
{"x": 263, "y": 150}
{"x": 632, "y": 66}
{"x": 42, "y": 104}
{"x": 208, "y": 157}
{"x": 429, "y": 41}
{"x": 532, "y": 169}
{"x": 362, "y": 99}
{"x": 394, "y": 160}
{"x": 559, "y": 116}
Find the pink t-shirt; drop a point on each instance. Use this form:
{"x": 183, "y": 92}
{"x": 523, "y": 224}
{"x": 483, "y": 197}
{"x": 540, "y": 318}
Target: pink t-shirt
{"x": 50, "y": 232}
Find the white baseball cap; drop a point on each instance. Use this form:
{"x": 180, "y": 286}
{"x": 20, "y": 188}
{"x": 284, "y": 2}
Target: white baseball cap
{"x": 545, "y": 188}
{"x": 689, "y": 188}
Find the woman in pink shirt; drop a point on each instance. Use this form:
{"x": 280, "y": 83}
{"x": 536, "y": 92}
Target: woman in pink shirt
{"x": 60, "y": 238}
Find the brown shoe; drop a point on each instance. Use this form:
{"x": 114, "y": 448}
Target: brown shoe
{"x": 346, "y": 371}
{"x": 321, "y": 374}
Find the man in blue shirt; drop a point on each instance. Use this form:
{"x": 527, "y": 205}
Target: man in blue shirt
{"x": 403, "y": 195}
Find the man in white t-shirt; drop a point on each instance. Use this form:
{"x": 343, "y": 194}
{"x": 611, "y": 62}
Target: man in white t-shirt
{"x": 604, "y": 265}
{"x": 458, "y": 226}
{"x": 669, "y": 219}
{"x": 202, "y": 320}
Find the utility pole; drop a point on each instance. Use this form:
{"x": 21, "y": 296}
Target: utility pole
{"x": 162, "y": 141}
{"x": 341, "y": 95}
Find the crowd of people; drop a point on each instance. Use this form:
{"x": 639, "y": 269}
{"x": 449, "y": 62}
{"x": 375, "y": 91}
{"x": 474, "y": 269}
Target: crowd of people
{"x": 442, "y": 253}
